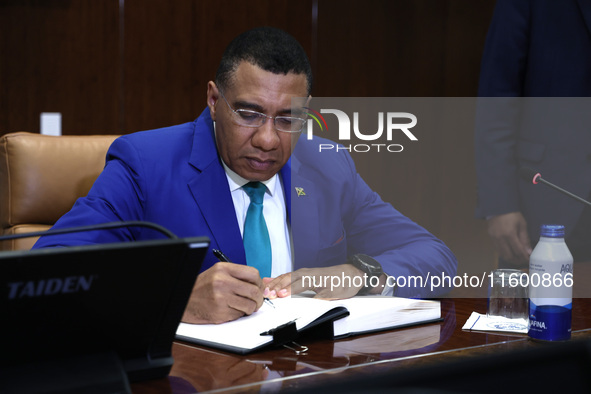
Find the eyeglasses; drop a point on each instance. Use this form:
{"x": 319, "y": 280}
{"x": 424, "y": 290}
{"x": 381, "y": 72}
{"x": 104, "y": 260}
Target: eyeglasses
{"x": 248, "y": 118}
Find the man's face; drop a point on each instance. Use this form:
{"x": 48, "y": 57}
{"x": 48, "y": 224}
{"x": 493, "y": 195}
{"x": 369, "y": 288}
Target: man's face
{"x": 255, "y": 153}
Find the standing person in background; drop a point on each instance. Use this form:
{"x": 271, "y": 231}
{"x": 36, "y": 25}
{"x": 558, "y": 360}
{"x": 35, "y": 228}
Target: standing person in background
{"x": 534, "y": 48}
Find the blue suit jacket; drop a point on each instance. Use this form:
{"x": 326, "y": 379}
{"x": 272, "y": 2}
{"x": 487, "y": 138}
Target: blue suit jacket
{"x": 174, "y": 177}
{"x": 535, "y": 48}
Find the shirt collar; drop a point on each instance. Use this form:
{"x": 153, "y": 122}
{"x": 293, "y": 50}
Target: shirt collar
{"x": 236, "y": 181}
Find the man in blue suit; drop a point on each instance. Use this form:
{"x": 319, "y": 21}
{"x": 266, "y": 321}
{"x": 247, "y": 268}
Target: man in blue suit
{"x": 193, "y": 179}
{"x": 535, "y": 48}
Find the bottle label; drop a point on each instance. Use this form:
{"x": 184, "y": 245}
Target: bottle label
{"x": 549, "y": 322}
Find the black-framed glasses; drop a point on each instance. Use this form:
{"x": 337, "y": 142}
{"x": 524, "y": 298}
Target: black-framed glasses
{"x": 249, "y": 118}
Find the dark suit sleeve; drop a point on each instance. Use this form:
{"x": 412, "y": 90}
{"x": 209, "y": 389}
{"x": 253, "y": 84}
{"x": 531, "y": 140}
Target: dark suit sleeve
{"x": 501, "y": 82}
{"x": 505, "y": 54}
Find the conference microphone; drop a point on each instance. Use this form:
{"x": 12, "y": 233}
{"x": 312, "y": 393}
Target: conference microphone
{"x": 93, "y": 227}
{"x": 535, "y": 177}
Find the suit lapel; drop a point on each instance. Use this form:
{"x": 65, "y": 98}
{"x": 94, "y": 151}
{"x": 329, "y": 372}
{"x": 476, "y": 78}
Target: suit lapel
{"x": 285, "y": 173}
{"x": 303, "y": 212}
{"x": 585, "y": 7}
{"x": 211, "y": 192}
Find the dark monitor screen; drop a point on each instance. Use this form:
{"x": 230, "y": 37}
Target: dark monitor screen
{"x": 125, "y": 298}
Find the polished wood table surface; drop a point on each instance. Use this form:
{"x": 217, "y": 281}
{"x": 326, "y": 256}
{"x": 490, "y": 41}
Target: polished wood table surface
{"x": 201, "y": 369}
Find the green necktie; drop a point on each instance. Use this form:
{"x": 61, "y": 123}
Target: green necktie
{"x": 256, "y": 236}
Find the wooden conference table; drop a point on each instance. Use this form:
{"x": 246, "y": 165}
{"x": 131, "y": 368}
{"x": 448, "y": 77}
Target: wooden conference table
{"x": 201, "y": 369}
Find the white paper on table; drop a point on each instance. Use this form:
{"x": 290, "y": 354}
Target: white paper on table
{"x": 482, "y": 322}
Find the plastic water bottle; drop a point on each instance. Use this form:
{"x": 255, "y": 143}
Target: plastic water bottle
{"x": 550, "y": 286}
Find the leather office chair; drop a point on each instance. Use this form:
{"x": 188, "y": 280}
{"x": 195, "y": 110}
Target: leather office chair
{"x": 41, "y": 177}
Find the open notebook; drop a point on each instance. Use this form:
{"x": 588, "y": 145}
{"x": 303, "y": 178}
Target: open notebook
{"x": 294, "y": 316}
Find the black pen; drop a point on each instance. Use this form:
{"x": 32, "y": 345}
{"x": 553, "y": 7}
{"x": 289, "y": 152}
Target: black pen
{"x": 222, "y": 257}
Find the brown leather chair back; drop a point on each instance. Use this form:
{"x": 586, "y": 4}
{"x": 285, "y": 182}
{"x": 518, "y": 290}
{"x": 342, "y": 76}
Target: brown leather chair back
{"x": 41, "y": 177}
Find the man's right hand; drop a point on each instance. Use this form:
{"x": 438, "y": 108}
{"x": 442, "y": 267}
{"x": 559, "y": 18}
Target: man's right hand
{"x": 224, "y": 292}
{"x": 510, "y": 238}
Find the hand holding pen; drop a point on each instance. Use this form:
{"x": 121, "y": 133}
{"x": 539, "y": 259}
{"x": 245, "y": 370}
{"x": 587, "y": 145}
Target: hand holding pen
{"x": 222, "y": 257}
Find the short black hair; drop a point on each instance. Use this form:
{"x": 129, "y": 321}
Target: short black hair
{"x": 269, "y": 48}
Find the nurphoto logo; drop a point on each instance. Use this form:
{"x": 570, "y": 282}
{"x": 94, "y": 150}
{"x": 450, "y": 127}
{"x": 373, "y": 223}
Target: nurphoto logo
{"x": 390, "y": 125}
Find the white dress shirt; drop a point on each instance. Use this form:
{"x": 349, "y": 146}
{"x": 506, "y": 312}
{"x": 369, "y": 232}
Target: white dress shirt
{"x": 275, "y": 213}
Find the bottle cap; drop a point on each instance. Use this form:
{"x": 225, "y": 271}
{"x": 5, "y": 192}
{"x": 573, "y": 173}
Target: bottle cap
{"x": 552, "y": 230}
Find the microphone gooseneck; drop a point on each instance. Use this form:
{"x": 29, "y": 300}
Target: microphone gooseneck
{"x": 535, "y": 177}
